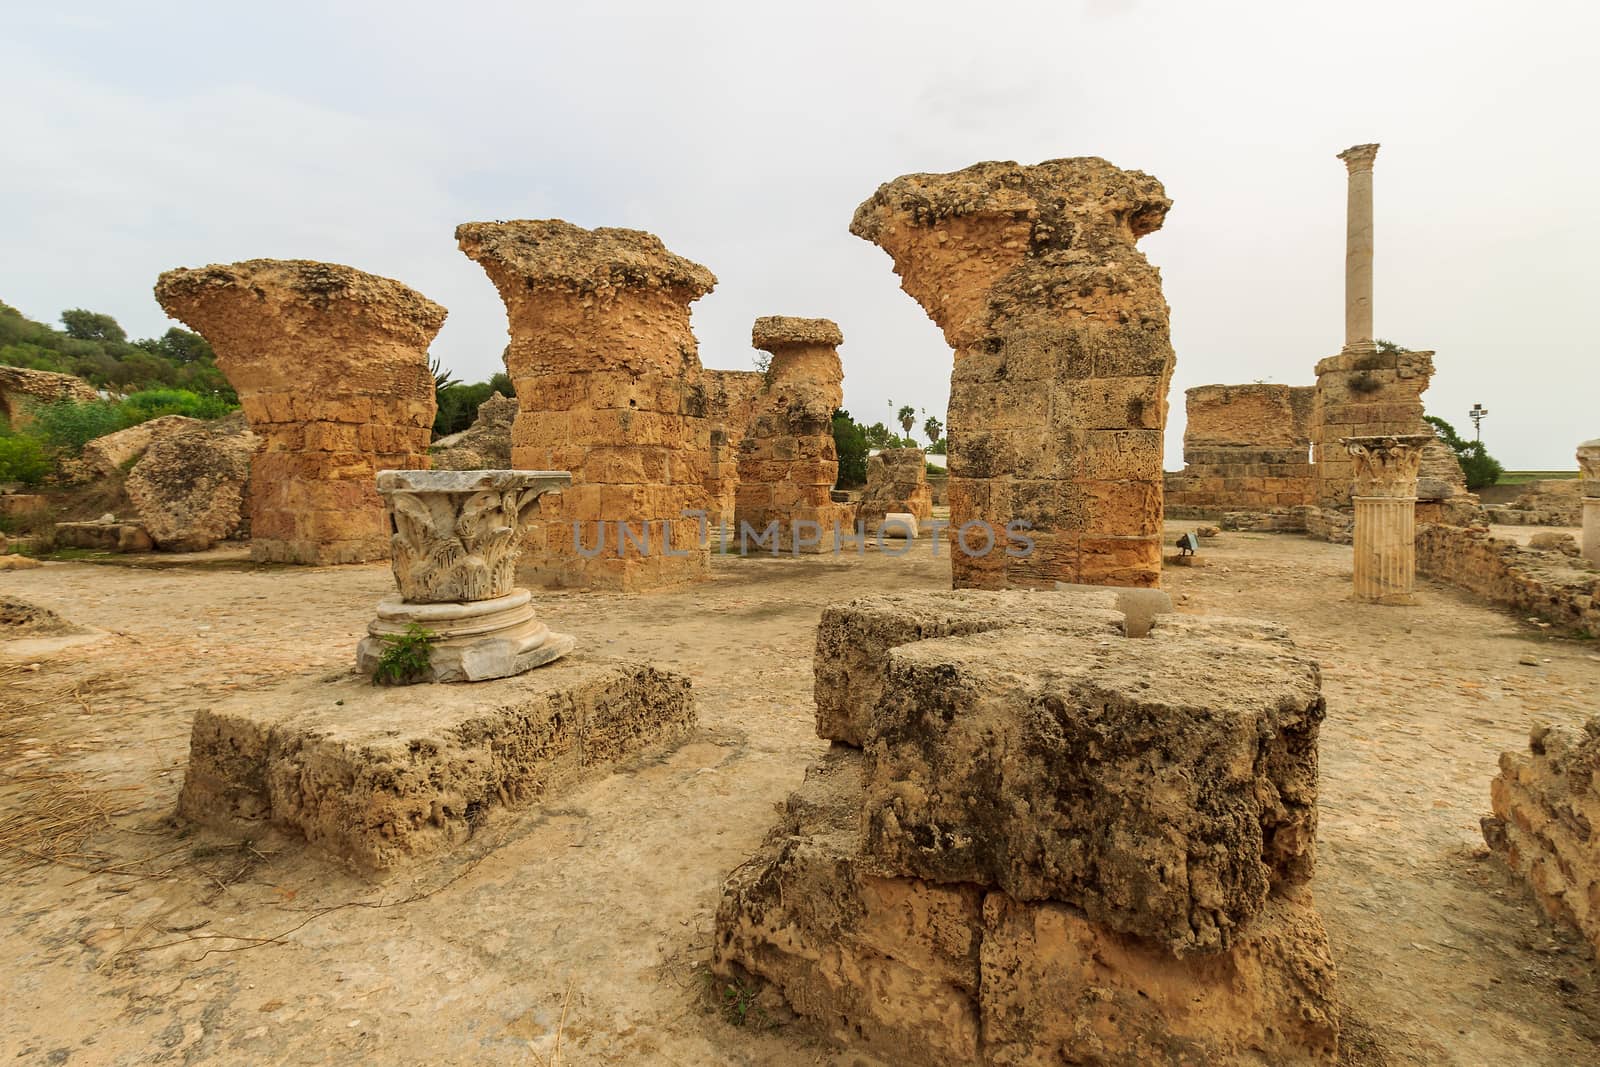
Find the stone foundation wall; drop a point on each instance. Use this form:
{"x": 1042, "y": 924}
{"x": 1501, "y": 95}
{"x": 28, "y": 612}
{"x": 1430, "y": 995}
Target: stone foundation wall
{"x": 1546, "y": 808}
{"x": 1553, "y": 587}
{"x": 1245, "y": 448}
{"x": 21, "y": 389}
{"x": 731, "y": 401}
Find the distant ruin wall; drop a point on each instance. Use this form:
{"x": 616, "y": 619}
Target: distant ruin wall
{"x": 1363, "y": 394}
{"x": 1522, "y": 579}
{"x": 731, "y": 403}
{"x": 1246, "y": 447}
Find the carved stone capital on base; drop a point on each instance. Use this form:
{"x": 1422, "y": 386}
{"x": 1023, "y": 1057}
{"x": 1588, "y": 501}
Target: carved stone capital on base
{"x": 455, "y": 543}
{"x": 1589, "y": 467}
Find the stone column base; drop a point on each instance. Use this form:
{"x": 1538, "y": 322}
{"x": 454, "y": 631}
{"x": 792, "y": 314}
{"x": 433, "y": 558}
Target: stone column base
{"x": 1385, "y": 550}
{"x": 473, "y": 642}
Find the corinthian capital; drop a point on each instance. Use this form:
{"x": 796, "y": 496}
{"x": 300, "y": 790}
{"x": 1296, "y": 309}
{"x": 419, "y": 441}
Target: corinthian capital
{"x": 1359, "y": 157}
{"x": 1386, "y": 466}
{"x": 1589, "y": 464}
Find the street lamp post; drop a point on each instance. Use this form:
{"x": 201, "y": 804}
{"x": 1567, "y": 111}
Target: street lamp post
{"x": 1478, "y": 412}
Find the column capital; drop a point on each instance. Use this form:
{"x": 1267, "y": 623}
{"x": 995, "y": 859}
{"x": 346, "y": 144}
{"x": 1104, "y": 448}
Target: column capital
{"x": 1589, "y": 465}
{"x": 1386, "y": 466}
{"x": 1359, "y": 157}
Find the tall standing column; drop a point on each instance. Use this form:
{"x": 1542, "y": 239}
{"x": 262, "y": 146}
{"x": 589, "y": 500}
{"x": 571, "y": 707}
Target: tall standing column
{"x": 1589, "y": 465}
{"x": 1385, "y": 498}
{"x": 1358, "y": 248}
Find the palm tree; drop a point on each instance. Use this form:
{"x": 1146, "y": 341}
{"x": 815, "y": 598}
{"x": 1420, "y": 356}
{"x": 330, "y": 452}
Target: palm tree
{"x": 908, "y": 417}
{"x": 933, "y": 428}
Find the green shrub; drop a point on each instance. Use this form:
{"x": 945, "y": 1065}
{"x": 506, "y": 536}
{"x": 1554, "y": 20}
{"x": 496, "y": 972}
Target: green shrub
{"x": 851, "y": 443}
{"x": 68, "y": 425}
{"x": 22, "y": 459}
{"x": 406, "y": 657}
{"x": 150, "y": 404}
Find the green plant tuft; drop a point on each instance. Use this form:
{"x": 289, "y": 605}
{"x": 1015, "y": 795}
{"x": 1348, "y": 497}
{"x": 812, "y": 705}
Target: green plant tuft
{"x": 407, "y": 658}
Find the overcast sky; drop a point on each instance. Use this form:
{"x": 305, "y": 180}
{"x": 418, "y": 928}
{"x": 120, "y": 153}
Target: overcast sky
{"x": 143, "y": 137}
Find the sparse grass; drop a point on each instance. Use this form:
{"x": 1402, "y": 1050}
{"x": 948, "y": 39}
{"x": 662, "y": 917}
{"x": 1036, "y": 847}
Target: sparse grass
{"x": 1523, "y": 477}
{"x": 735, "y": 1000}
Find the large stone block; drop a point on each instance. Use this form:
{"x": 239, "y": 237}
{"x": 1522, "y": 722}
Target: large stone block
{"x": 381, "y": 776}
{"x": 854, "y": 639}
{"x": 1163, "y": 785}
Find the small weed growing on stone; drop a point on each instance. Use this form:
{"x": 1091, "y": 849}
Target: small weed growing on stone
{"x": 405, "y": 660}
{"x": 736, "y": 1001}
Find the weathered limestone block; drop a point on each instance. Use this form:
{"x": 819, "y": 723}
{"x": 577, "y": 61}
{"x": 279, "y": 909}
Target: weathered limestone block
{"x": 732, "y": 400}
{"x": 1589, "y": 465}
{"x": 888, "y": 963}
{"x": 104, "y": 536}
{"x": 1440, "y": 476}
{"x": 609, "y": 387}
{"x": 788, "y": 462}
{"x": 457, "y": 536}
{"x": 1062, "y": 358}
{"x": 115, "y": 453}
{"x": 897, "y": 480}
{"x": 1546, "y": 807}
{"x": 1384, "y": 491}
{"x": 191, "y": 487}
{"x": 378, "y": 777}
{"x": 1057, "y": 988}
{"x": 485, "y": 445}
{"x": 1245, "y": 447}
{"x": 22, "y": 389}
{"x": 1163, "y": 785}
{"x": 854, "y": 639}
{"x": 331, "y": 367}
{"x": 917, "y": 972}
{"x": 1364, "y": 394}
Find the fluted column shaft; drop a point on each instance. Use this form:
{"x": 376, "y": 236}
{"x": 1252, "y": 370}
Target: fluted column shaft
{"x": 1589, "y": 471}
{"x": 1385, "y": 548}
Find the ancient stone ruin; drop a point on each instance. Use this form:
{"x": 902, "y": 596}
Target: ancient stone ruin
{"x": 1245, "y": 447}
{"x": 1589, "y": 467}
{"x": 1545, "y": 806}
{"x": 732, "y": 400}
{"x": 22, "y": 389}
{"x": 457, "y": 536}
{"x": 1384, "y": 491}
{"x": 609, "y": 388}
{"x": 1062, "y": 360}
{"x": 897, "y": 482}
{"x": 788, "y": 462}
{"x": 485, "y": 445}
{"x": 1041, "y": 841}
{"x": 331, "y": 367}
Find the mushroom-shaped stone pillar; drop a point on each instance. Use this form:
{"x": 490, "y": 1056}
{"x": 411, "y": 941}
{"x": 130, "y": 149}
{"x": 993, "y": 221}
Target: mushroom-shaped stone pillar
{"x": 1589, "y": 467}
{"x": 788, "y": 462}
{"x": 331, "y": 367}
{"x": 608, "y": 383}
{"x": 1063, "y": 356}
{"x": 456, "y": 541}
{"x": 1385, "y": 497}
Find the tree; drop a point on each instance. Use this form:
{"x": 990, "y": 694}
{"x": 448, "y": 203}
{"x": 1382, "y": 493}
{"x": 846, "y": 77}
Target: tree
{"x": 851, "y": 443}
{"x": 933, "y": 428}
{"x": 1481, "y": 469}
{"x": 92, "y": 326}
{"x": 907, "y": 416}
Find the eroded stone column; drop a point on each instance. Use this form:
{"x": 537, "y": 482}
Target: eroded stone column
{"x": 1385, "y": 497}
{"x": 788, "y": 462}
{"x": 609, "y": 382}
{"x": 897, "y": 481}
{"x": 1358, "y": 161}
{"x": 1062, "y": 361}
{"x": 1589, "y": 467}
{"x": 331, "y": 367}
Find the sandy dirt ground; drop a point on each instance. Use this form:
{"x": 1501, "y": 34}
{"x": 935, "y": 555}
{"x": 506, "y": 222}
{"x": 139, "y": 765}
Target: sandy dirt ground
{"x": 578, "y": 932}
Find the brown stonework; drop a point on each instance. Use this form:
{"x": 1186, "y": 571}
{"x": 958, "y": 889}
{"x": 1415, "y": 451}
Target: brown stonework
{"x": 609, "y": 386}
{"x": 331, "y": 367}
{"x": 1062, "y": 358}
{"x": 1245, "y": 447}
{"x": 787, "y": 461}
{"x": 897, "y": 480}
{"x": 1363, "y": 394}
{"x": 732, "y": 397}
{"x": 22, "y": 389}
